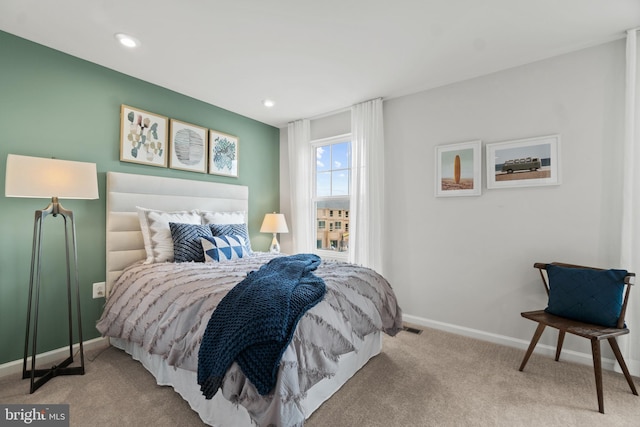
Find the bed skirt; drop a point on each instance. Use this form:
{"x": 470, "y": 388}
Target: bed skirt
{"x": 219, "y": 411}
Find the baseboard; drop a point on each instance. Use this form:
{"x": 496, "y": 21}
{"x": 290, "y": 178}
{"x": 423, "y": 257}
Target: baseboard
{"x": 543, "y": 349}
{"x": 51, "y": 357}
{"x": 632, "y": 365}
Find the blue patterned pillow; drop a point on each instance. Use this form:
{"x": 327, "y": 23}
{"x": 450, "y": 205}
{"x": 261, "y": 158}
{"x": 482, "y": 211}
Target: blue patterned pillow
{"x": 223, "y": 248}
{"x": 592, "y": 296}
{"x": 233, "y": 230}
{"x": 186, "y": 241}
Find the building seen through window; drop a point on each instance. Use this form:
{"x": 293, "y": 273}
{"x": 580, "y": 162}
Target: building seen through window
{"x": 332, "y": 194}
{"x": 332, "y": 219}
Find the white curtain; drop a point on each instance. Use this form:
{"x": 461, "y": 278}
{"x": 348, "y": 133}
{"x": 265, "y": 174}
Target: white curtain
{"x": 630, "y": 253}
{"x": 300, "y": 168}
{"x": 367, "y": 185}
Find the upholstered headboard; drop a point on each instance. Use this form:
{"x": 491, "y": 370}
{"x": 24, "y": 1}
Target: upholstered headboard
{"x": 126, "y": 191}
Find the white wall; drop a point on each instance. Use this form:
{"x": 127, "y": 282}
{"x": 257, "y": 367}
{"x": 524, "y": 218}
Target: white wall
{"x": 466, "y": 264}
{"x": 468, "y": 261}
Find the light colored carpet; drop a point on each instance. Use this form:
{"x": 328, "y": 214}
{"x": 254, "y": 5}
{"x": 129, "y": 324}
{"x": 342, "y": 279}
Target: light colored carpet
{"x": 431, "y": 379}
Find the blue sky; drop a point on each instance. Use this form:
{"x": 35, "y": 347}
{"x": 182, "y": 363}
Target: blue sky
{"x": 332, "y": 165}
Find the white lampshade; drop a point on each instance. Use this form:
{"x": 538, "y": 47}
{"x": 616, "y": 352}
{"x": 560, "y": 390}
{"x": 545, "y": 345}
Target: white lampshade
{"x": 37, "y": 177}
{"x": 274, "y": 223}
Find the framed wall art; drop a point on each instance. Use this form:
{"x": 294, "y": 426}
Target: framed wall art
{"x": 143, "y": 137}
{"x": 223, "y": 154}
{"x": 524, "y": 162}
{"x": 459, "y": 169}
{"x": 187, "y": 146}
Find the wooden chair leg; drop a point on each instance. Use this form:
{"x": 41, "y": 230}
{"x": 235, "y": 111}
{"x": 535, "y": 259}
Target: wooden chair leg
{"x": 560, "y": 342}
{"x": 597, "y": 369}
{"x": 532, "y": 345}
{"x": 623, "y": 366}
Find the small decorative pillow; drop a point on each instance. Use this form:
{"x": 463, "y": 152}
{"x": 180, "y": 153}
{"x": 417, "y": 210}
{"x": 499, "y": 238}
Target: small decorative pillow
{"x": 223, "y": 248}
{"x": 156, "y": 233}
{"x": 186, "y": 241}
{"x": 592, "y": 296}
{"x": 233, "y": 229}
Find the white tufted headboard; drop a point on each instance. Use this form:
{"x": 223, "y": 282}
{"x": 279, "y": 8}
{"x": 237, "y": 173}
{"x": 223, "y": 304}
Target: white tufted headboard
{"x": 126, "y": 191}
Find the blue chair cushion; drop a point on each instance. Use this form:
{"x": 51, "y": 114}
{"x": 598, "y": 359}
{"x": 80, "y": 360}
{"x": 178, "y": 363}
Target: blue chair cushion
{"x": 591, "y": 296}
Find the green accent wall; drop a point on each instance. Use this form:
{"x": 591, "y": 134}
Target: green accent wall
{"x": 55, "y": 105}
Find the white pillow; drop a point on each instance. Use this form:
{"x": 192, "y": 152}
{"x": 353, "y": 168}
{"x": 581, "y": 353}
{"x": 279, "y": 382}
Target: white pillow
{"x": 157, "y": 234}
{"x": 237, "y": 217}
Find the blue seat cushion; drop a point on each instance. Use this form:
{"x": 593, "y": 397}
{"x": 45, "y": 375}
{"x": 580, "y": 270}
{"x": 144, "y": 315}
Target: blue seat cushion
{"x": 591, "y": 296}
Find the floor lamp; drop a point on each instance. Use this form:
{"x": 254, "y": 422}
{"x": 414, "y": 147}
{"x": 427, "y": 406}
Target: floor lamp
{"x": 274, "y": 223}
{"x": 36, "y": 177}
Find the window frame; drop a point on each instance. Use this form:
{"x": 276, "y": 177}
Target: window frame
{"x": 325, "y": 253}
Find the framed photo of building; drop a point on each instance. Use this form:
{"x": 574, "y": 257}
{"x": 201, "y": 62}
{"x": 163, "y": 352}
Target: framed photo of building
{"x": 223, "y": 154}
{"x": 187, "y": 146}
{"x": 143, "y": 137}
{"x": 524, "y": 162}
{"x": 459, "y": 169}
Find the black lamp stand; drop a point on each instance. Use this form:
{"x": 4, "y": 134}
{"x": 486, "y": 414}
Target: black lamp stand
{"x": 44, "y": 375}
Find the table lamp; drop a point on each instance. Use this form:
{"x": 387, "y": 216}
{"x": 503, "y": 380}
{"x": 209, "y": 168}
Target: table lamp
{"x": 274, "y": 223}
{"x": 36, "y": 177}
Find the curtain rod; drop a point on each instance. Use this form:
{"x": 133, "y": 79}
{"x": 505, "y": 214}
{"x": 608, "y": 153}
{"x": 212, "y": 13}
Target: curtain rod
{"x": 330, "y": 113}
{"x": 338, "y": 111}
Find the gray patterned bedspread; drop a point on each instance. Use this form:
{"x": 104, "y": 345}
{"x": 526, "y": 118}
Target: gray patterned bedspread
{"x": 165, "y": 308}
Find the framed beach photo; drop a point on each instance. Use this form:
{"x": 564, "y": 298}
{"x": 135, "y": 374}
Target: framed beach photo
{"x": 223, "y": 154}
{"x": 187, "y": 146}
{"x": 459, "y": 169}
{"x": 143, "y": 137}
{"x": 524, "y": 162}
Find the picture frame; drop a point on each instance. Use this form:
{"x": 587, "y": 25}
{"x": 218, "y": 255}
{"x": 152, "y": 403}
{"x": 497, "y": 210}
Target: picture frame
{"x": 459, "y": 169}
{"x": 526, "y": 162}
{"x": 143, "y": 137}
{"x": 188, "y": 146}
{"x": 224, "y": 150}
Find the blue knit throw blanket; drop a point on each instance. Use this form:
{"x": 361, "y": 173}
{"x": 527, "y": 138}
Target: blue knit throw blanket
{"x": 254, "y": 322}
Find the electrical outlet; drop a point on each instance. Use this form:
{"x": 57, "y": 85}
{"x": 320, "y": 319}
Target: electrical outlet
{"x": 98, "y": 290}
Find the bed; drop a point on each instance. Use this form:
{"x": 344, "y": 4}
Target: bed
{"x": 331, "y": 342}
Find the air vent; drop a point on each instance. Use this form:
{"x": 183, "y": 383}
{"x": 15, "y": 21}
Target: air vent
{"x": 412, "y": 330}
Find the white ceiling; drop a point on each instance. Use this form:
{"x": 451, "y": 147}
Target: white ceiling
{"x": 314, "y": 56}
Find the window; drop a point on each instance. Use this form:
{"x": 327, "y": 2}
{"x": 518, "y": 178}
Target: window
{"x": 331, "y": 197}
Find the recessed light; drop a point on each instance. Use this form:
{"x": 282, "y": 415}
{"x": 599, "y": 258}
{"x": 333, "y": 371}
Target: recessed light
{"x": 127, "y": 40}
{"x": 268, "y": 103}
